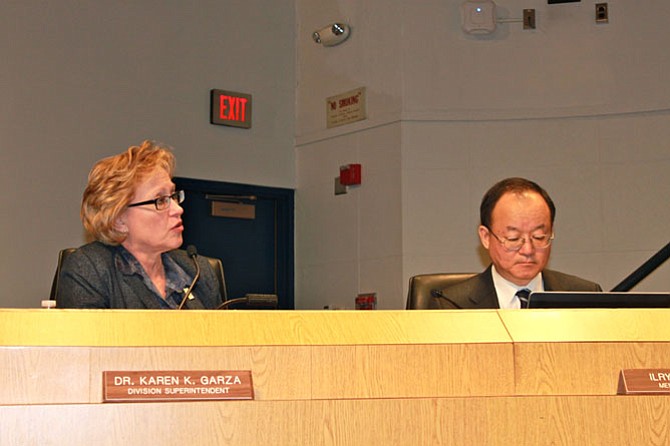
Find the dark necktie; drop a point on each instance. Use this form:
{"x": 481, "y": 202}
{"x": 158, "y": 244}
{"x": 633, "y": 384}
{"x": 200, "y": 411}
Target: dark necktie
{"x": 523, "y": 297}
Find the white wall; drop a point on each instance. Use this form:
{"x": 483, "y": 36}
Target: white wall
{"x": 583, "y": 109}
{"x": 350, "y": 243}
{"x": 81, "y": 80}
{"x": 345, "y": 244}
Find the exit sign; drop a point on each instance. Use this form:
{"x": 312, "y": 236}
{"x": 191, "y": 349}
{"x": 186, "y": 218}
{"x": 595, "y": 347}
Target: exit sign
{"x": 230, "y": 108}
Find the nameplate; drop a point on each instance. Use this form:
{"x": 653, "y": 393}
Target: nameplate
{"x": 644, "y": 382}
{"x": 233, "y": 210}
{"x": 183, "y": 385}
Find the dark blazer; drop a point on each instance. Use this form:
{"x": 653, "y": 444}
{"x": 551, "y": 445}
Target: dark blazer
{"x": 479, "y": 292}
{"x": 89, "y": 278}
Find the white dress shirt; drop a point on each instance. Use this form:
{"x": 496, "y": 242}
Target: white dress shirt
{"x": 506, "y": 290}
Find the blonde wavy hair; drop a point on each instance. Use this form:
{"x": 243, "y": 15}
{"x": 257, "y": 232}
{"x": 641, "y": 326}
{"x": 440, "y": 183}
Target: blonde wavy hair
{"x": 112, "y": 182}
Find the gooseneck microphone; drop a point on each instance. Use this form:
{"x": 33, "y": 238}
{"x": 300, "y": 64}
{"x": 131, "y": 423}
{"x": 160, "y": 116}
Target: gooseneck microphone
{"x": 193, "y": 254}
{"x": 439, "y": 293}
{"x": 252, "y": 300}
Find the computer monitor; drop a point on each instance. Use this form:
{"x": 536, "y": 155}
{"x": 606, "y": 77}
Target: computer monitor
{"x": 589, "y": 299}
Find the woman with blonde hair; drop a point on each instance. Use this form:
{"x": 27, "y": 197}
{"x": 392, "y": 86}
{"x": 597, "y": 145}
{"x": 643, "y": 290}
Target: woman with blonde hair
{"x": 132, "y": 210}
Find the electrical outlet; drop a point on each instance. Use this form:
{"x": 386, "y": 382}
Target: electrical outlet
{"x": 602, "y": 13}
{"x": 528, "y": 19}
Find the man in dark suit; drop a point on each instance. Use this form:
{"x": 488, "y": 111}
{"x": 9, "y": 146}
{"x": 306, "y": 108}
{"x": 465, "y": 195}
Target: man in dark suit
{"x": 517, "y": 219}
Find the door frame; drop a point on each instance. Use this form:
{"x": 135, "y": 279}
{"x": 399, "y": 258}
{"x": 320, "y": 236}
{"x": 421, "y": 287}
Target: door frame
{"x": 285, "y": 226}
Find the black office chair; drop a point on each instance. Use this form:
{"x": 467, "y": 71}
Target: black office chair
{"x": 421, "y": 286}
{"x": 215, "y": 263}
{"x": 54, "y": 285}
{"x": 217, "y": 266}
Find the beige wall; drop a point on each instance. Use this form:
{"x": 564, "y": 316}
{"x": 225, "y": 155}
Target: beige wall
{"x": 584, "y": 109}
{"x": 580, "y": 107}
{"x": 81, "y": 80}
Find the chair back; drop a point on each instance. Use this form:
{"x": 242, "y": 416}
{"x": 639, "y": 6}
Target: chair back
{"x": 422, "y": 285}
{"x": 215, "y": 263}
{"x": 54, "y": 285}
{"x": 217, "y": 266}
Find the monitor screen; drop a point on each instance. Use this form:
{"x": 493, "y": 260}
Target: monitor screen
{"x": 588, "y": 299}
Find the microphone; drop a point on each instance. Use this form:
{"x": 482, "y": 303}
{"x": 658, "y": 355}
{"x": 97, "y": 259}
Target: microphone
{"x": 193, "y": 254}
{"x": 253, "y": 300}
{"x": 262, "y": 300}
{"x": 439, "y": 293}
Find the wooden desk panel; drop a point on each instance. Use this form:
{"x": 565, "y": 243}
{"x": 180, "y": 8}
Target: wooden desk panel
{"x": 44, "y": 375}
{"x": 582, "y": 351}
{"x": 584, "y": 368}
{"x": 292, "y": 354}
{"x": 575, "y": 355}
{"x": 398, "y": 371}
{"x": 587, "y": 325}
{"x": 139, "y": 328}
{"x": 504, "y": 421}
{"x": 338, "y": 378}
{"x": 278, "y": 372}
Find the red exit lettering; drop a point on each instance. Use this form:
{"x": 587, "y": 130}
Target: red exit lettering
{"x": 232, "y": 108}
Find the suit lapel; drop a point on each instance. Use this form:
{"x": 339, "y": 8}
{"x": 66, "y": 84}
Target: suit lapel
{"x": 483, "y": 293}
{"x": 550, "y": 281}
{"x": 138, "y": 292}
{"x": 135, "y": 293}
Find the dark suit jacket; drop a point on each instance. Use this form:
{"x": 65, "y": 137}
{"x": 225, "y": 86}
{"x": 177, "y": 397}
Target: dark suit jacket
{"x": 89, "y": 278}
{"x": 479, "y": 292}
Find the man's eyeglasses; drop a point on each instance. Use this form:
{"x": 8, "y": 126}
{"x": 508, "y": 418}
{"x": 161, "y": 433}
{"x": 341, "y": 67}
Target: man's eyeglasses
{"x": 163, "y": 202}
{"x": 514, "y": 244}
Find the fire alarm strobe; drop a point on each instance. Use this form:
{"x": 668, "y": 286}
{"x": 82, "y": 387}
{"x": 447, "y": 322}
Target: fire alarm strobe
{"x": 350, "y": 174}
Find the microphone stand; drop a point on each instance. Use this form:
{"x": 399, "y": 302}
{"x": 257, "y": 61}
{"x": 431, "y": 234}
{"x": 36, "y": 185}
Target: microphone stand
{"x": 226, "y": 305}
{"x": 439, "y": 293}
{"x": 644, "y": 270}
{"x": 193, "y": 254}
{"x": 254, "y": 300}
